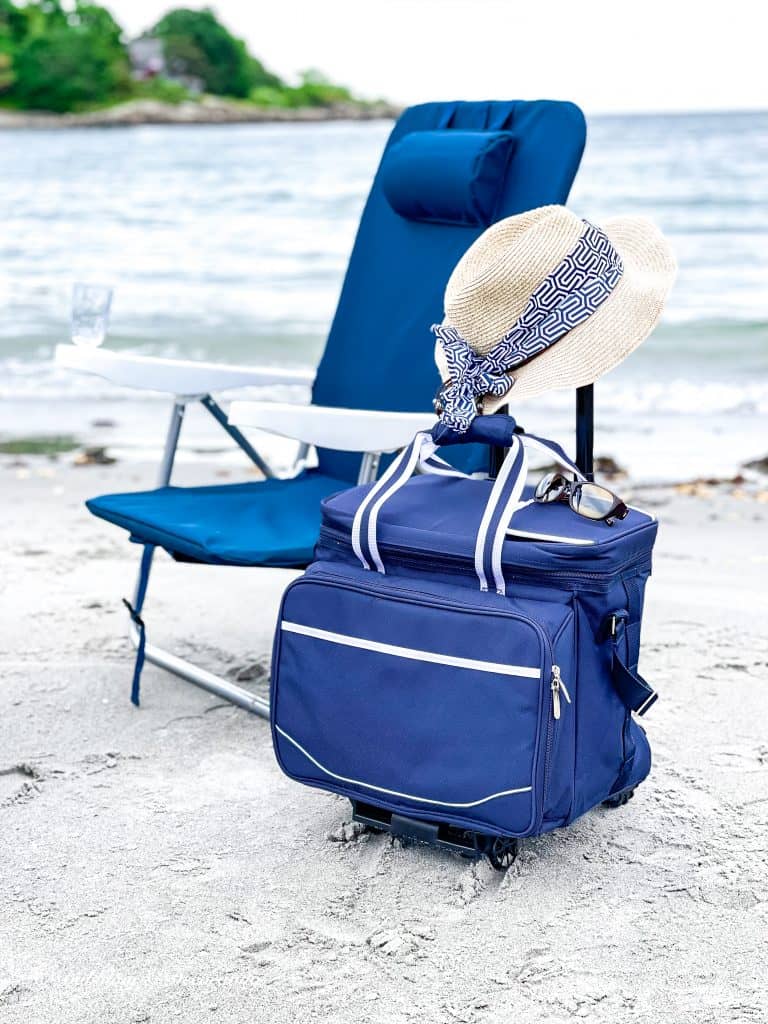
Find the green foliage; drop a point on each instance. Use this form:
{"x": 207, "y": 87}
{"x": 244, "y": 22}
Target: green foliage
{"x": 12, "y": 28}
{"x": 198, "y": 46}
{"x": 64, "y": 61}
{"x": 163, "y": 90}
{"x": 64, "y": 56}
{"x": 269, "y": 96}
{"x": 13, "y": 22}
{"x": 7, "y": 74}
{"x": 314, "y": 90}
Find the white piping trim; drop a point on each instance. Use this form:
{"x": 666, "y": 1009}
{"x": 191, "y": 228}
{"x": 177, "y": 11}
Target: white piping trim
{"x": 528, "y": 535}
{"x": 394, "y": 792}
{"x": 643, "y": 512}
{"x": 409, "y": 652}
{"x": 645, "y": 703}
{"x": 501, "y": 528}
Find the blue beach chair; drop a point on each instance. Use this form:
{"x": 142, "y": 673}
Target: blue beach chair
{"x": 447, "y": 172}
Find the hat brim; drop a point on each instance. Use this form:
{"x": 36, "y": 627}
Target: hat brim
{"x": 613, "y": 331}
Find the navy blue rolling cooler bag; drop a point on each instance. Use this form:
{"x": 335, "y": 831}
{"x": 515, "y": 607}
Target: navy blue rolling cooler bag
{"x": 460, "y": 660}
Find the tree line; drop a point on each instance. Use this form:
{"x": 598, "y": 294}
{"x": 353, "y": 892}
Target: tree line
{"x": 76, "y": 58}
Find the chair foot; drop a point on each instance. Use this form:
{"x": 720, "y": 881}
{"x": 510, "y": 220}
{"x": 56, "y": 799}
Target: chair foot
{"x": 200, "y": 677}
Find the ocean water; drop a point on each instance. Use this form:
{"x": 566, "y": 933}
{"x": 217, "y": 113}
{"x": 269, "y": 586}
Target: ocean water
{"x": 230, "y": 243}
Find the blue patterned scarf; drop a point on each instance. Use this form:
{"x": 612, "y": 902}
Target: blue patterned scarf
{"x": 564, "y": 299}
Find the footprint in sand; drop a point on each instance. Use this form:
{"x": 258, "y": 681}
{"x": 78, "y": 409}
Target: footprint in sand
{"x": 538, "y": 965}
{"x": 474, "y": 880}
{"x": 348, "y": 832}
{"x": 746, "y": 757}
{"x": 402, "y": 941}
{"x": 19, "y": 783}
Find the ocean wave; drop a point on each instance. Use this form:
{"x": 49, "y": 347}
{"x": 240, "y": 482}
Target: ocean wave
{"x": 248, "y": 269}
{"x": 621, "y": 394}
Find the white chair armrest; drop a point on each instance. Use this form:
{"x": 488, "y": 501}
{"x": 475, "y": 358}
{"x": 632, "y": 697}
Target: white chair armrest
{"x": 175, "y": 376}
{"x": 346, "y": 430}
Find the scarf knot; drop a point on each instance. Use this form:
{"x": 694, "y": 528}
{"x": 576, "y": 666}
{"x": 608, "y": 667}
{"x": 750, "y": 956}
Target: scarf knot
{"x": 470, "y": 377}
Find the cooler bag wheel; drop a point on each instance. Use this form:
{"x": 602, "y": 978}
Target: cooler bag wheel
{"x": 620, "y": 799}
{"x": 501, "y": 851}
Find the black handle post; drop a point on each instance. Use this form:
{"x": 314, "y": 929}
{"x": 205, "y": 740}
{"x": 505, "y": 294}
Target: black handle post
{"x": 585, "y": 430}
{"x": 497, "y": 455}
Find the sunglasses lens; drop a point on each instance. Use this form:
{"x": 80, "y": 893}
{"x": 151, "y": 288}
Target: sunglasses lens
{"x": 593, "y": 501}
{"x": 550, "y": 487}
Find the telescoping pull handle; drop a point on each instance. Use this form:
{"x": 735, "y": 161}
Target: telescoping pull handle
{"x": 503, "y": 500}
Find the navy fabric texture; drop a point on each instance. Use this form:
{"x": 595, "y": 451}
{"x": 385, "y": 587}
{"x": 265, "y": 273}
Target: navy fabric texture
{"x": 272, "y": 522}
{"x": 447, "y": 177}
{"x": 440, "y": 516}
{"x": 416, "y": 691}
{"x": 426, "y": 736}
{"x": 497, "y": 430}
{"x": 379, "y": 353}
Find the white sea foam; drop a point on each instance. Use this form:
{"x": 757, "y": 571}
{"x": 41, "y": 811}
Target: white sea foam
{"x": 230, "y": 243}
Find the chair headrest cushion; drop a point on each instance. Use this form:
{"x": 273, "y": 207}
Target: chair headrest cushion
{"x": 447, "y": 177}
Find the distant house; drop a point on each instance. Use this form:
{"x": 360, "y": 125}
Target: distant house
{"x": 147, "y": 58}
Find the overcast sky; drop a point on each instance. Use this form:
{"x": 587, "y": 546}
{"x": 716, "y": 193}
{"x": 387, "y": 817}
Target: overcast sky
{"x": 607, "y": 55}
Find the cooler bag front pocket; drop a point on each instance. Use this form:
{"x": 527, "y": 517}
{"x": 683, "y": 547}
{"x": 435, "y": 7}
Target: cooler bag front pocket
{"x": 420, "y": 704}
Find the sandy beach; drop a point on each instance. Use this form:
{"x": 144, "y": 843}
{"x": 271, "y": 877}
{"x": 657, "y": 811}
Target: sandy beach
{"x": 157, "y": 866}
{"x": 202, "y": 185}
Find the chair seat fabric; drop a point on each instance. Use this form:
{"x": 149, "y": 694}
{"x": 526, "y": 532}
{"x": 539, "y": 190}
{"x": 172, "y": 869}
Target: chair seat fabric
{"x": 267, "y": 523}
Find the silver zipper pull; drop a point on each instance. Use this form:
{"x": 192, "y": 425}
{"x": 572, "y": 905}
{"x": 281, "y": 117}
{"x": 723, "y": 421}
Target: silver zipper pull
{"x": 557, "y": 686}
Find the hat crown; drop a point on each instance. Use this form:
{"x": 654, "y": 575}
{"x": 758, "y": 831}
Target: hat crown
{"x": 493, "y": 281}
{"x": 488, "y": 290}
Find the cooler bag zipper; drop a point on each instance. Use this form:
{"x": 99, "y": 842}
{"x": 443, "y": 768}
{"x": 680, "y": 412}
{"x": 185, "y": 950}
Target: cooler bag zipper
{"x": 460, "y": 564}
{"x": 556, "y": 686}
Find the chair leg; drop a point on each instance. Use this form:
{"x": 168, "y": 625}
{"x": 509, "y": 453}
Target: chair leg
{"x": 369, "y": 467}
{"x": 200, "y": 677}
{"x": 156, "y": 655}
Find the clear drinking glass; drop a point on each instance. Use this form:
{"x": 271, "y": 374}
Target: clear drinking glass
{"x": 90, "y": 313}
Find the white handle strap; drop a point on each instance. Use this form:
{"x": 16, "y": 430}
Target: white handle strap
{"x": 502, "y": 503}
{"x": 398, "y": 473}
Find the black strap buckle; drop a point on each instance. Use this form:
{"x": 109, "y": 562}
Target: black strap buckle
{"x": 135, "y": 617}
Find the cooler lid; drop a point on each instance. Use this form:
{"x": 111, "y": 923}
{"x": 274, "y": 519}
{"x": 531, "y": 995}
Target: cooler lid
{"x": 435, "y": 515}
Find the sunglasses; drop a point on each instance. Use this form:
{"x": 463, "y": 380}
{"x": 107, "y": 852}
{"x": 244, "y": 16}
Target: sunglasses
{"x": 586, "y": 499}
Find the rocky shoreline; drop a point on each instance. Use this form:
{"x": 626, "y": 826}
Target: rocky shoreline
{"x": 208, "y": 110}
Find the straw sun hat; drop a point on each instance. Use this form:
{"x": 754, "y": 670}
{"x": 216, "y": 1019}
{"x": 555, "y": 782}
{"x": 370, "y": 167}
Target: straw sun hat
{"x": 574, "y": 299}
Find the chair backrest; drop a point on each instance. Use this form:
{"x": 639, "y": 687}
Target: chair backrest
{"x": 447, "y": 172}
